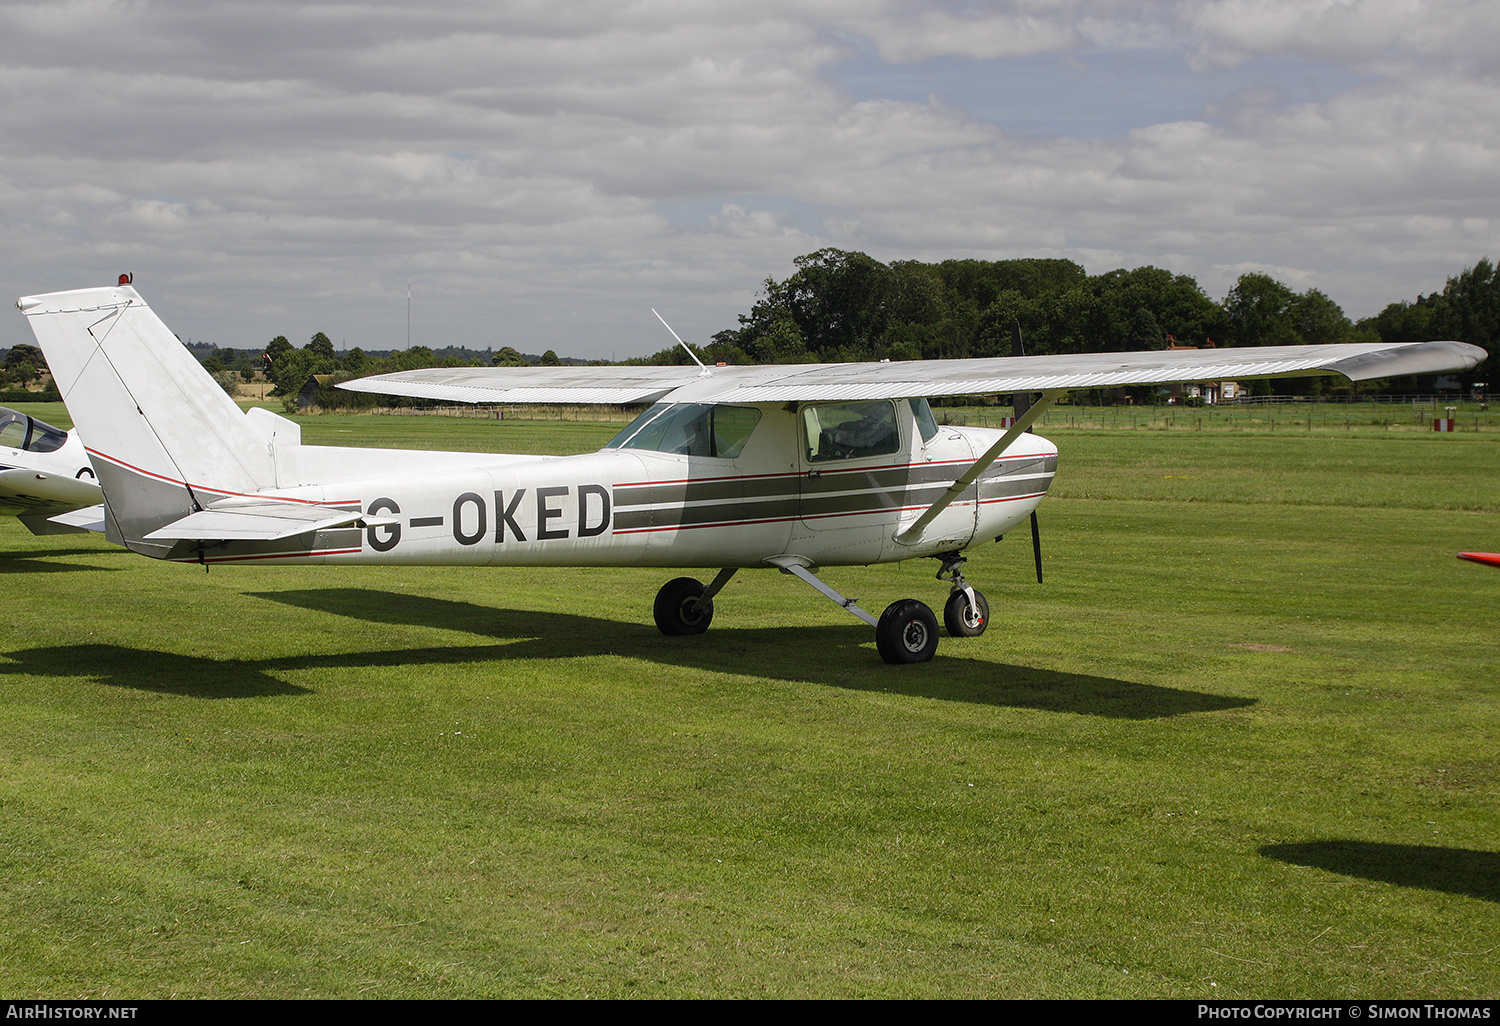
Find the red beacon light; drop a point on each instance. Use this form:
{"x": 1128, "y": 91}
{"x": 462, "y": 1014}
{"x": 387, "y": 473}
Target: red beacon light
{"x": 126, "y": 279}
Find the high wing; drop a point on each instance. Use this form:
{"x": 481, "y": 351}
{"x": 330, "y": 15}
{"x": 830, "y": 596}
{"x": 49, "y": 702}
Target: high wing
{"x": 1052, "y": 376}
{"x": 912, "y": 379}
{"x": 609, "y": 385}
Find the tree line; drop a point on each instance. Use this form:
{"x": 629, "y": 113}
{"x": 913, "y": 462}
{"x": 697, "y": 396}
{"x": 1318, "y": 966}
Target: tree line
{"x": 840, "y": 306}
{"x": 289, "y": 368}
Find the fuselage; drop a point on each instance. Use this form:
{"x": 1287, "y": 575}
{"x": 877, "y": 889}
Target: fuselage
{"x": 674, "y": 493}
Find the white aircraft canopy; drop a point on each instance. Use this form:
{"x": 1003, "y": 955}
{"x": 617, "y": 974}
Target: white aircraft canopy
{"x": 19, "y": 431}
{"x": 911, "y": 379}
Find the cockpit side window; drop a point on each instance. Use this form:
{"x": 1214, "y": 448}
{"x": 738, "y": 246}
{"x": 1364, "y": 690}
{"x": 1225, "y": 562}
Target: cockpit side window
{"x": 732, "y": 427}
{"x": 844, "y": 431}
{"x": 690, "y": 429}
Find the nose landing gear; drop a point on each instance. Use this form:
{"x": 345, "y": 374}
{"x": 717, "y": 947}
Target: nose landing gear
{"x": 966, "y": 613}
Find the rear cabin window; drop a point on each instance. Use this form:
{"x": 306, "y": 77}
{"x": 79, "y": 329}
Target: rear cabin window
{"x": 690, "y": 429}
{"x": 847, "y": 431}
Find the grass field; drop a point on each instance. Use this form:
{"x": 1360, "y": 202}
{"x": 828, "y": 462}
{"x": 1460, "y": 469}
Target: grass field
{"x": 1242, "y": 743}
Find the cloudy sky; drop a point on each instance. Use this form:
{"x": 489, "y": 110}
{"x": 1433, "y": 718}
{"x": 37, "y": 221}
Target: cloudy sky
{"x": 544, "y": 172}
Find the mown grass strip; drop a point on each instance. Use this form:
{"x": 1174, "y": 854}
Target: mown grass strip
{"x": 1236, "y": 746}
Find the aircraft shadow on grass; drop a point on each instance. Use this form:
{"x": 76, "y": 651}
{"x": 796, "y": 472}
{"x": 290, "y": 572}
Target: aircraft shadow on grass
{"x": 168, "y": 673}
{"x": 44, "y": 561}
{"x": 1474, "y": 874}
{"x": 844, "y": 659}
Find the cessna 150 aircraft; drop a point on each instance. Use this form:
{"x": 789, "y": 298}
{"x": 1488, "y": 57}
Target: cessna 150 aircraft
{"x": 795, "y": 467}
{"x": 44, "y": 472}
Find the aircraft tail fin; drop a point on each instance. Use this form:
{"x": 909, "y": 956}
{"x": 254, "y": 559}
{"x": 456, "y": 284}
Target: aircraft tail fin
{"x": 165, "y": 439}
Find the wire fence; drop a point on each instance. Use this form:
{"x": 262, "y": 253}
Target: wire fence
{"x": 1263, "y": 414}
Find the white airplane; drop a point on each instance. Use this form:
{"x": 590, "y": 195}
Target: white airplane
{"x": 794, "y": 467}
{"x": 44, "y": 473}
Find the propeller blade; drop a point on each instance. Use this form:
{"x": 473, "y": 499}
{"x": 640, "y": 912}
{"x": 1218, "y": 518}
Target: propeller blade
{"x": 1036, "y": 546}
{"x": 1021, "y": 401}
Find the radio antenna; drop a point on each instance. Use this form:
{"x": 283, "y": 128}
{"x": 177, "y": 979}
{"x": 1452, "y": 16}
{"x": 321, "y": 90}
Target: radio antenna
{"x": 680, "y": 342}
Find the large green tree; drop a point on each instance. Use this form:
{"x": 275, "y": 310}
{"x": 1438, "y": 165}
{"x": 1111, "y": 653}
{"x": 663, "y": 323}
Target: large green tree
{"x": 320, "y": 347}
{"x": 25, "y": 362}
{"x": 1469, "y": 308}
{"x": 290, "y": 371}
{"x": 1258, "y": 312}
{"x": 841, "y": 303}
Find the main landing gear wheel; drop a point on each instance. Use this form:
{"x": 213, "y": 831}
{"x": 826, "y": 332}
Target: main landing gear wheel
{"x": 963, "y": 618}
{"x": 674, "y": 610}
{"x": 906, "y": 633}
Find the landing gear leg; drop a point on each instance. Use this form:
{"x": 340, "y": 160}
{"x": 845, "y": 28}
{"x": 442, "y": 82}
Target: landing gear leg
{"x": 966, "y": 614}
{"x": 905, "y": 633}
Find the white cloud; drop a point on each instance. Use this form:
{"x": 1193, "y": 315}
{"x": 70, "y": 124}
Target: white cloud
{"x": 1347, "y": 31}
{"x": 532, "y": 168}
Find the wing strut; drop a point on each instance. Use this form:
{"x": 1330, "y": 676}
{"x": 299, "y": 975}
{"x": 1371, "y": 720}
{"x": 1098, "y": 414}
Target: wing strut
{"x": 914, "y": 533}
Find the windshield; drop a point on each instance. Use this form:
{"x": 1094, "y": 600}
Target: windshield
{"x": 690, "y": 429}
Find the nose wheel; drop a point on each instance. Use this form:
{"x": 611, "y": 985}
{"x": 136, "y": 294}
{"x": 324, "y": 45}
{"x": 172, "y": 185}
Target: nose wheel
{"x": 966, "y": 613}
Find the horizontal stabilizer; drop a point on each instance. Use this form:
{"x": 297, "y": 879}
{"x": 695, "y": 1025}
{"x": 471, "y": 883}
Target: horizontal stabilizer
{"x": 89, "y": 518}
{"x": 262, "y": 520}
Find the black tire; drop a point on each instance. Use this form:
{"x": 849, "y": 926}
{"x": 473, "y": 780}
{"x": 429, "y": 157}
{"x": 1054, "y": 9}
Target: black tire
{"x": 674, "y": 613}
{"x": 907, "y": 632}
{"x": 964, "y": 621}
